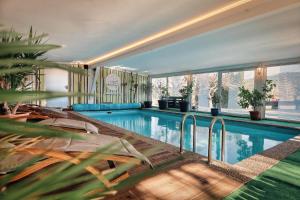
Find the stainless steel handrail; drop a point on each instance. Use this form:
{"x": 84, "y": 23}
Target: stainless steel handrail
{"x": 210, "y": 139}
{"x": 182, "y": 132}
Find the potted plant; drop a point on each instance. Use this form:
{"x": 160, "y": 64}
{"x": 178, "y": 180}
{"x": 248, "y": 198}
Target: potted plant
{"x": 147, "y": 87}
{"x": 255, "y": 98}
{"x": 163, "y": 101}
{"x": 185, "y": 92}
{"x": 215, "y": 99}
{"x": 18, "y": 81}
{"x": 148, "y": 104}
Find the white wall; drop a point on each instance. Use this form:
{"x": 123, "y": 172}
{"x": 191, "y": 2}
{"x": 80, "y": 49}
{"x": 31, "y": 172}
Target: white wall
{"x": 56, "y": 80}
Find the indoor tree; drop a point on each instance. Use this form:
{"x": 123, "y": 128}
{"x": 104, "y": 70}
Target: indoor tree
{"x": 17, "y": 47}
{"x": 215, "y": 100}
{"x": 163, "y": 96}
{"x": 49, "y": 183}
{"x": 255, "y": 98}
{"x": 186, "y": 92}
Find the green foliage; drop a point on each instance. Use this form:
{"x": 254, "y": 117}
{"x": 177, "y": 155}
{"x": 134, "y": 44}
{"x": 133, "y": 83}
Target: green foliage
{"x": 27, "y": 96}
{"x": 31, "y": 130}
{"x": 255, "y": 98}
{"x": 187, "y": 90}
{"x": 215, "y": 99}
{"x": 163, "y": 90}
{"x": 17, "y": 47}
{"x": 20, "y": 57}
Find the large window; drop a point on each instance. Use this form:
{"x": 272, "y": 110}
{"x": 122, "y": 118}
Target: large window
{"x": 204, "y": 86}
{"x": 156, "y": 84}
{"x": 231, "y": 82}
{"x": 284, "y": 105}
{"x": 175, "y": 83}
{"x": 286, "y": 101}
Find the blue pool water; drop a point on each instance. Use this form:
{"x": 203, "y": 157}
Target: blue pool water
{"x": 242, "y": 139}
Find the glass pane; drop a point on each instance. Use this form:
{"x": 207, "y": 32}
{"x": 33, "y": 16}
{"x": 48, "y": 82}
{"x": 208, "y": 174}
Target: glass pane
{"x": 156, "y": 83}
{"x": 204, "y": 85}
{"x": 231, "y": 82}
{"x": 175, "y": 83}
{"x": 286, "y": 101}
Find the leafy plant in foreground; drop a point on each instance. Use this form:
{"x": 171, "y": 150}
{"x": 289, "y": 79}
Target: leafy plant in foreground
{"x": 20, "y": 57}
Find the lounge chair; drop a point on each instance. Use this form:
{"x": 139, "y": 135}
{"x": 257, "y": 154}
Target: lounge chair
{"x": 71, "y": 123}
{"x": 55, "y": 150}
{"x": 35, "y": 115}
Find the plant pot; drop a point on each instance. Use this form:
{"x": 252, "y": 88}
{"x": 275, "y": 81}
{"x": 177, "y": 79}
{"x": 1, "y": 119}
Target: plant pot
{"x": 214, "y": 111}
{"x": 20, "y": 117}
{"x": 184, "y": 106}
{"x": 254, "y": 115}
{"x": 162, "y": 104}
{"x": 148, "y": 104}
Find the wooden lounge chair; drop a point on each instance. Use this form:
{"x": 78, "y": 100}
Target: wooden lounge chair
{"x": 36, "y": 115}
{"x": 55, "y": 150}
{"x": 71, "y": 124}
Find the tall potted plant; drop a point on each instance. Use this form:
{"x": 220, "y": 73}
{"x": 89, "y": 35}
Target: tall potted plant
{"x": 147, "y": 103}
{"x": 163, "y": 100}
{"x": 18, "y": 81}
{"x": 215, "y": 99}
{"x": 185, "y": 92}
{"x": 255, "y": 98}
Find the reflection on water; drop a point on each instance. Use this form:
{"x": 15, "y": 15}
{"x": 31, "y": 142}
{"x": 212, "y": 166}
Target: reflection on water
{"x": 242, "y": 140}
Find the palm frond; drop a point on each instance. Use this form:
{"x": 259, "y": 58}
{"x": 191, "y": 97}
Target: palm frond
{"x": 17, "y": 48}
{"x": 27, "y": 96}
{"x": 13, "y": 128}
{"x": 7, "y": 63}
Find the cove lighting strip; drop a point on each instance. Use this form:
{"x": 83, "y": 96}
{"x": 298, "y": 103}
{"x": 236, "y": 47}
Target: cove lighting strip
{"x": 169, "y": 31}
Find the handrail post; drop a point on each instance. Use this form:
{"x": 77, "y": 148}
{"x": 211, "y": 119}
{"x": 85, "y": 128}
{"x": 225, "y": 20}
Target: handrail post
{"x": 223, "y": 140}
{"x": 182, "y": 132}
{"x": 194, "y": 133}
{"x": 209, "y": 159}
{"x": 210, "y": 140}
{"x": 181, "y": 136}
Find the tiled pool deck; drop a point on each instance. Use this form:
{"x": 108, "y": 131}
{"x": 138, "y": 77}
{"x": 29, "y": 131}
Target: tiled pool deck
{"x": 188, "y": 176}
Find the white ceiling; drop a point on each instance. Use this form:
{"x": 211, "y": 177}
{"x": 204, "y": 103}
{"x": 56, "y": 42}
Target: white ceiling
{"x": 89, "y": 28}
{"x": 272, "y": 37}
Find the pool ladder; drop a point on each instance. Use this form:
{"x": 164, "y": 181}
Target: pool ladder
{"x": 213, "y": 121}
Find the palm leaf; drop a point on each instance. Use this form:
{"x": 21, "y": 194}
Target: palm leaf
{"x": 27, "y": 96}
{"x": 38, "y": 63}
{"x": 20, "y": 56}
{"x": 8, "y": 48}
{"x": 8, "y": 126}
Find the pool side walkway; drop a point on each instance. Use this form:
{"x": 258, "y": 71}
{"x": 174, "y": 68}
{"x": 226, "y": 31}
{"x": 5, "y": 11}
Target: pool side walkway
{"x": 282, "y": 181}
{"x": 187, "y": 176}
{"x": 175, "y": 176}
{"x": 280, "y": 123}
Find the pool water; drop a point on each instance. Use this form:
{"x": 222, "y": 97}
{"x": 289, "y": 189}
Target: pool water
{"x": 242, "y": 139}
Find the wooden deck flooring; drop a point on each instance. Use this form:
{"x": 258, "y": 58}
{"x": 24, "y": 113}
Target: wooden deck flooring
{"x": 185, "y": 176}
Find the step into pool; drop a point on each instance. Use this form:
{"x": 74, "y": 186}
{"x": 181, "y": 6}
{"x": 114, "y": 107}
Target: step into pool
{"x": 242, "y": 139}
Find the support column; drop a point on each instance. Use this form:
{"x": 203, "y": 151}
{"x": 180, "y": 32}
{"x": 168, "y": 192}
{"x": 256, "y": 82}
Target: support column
{"x": 260, "y": 77}
{"x": 190, "y": 81}
{"x": 167, "y": 84}
{"x": 149, "y": 89}
{"x": 219, "y": 89}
